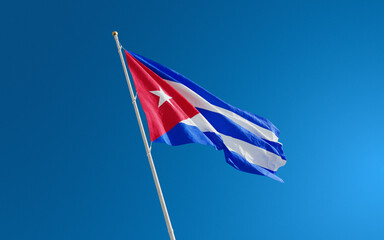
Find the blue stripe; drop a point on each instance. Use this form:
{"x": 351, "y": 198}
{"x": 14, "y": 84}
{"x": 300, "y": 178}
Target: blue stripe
{"x": 237, "y": 161}
{"x": 183, "y": 134}
{"x": 226, "y": 126}
{"x": 169, "y": 74}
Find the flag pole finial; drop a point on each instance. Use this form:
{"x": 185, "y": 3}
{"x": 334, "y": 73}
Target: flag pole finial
{"x": 114, "y": 33}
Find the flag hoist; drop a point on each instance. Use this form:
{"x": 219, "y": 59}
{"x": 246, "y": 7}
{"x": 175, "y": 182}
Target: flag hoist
{"x": 147, "y": 148}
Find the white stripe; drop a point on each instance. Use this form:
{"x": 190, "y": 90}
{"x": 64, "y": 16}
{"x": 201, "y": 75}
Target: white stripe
{"x": 199, "y": 121}
{"x": 199, "y": 102}
{"x": 251, "y": 153}
{"x": 254, "y": 154}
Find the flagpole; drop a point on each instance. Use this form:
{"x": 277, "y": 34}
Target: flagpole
{"x": 147, "y": 148}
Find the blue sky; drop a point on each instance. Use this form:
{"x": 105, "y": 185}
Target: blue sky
{"x": 73, "y": 165}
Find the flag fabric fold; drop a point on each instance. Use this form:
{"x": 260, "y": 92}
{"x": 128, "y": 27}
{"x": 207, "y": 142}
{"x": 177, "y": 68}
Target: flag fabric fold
{"x": 178, "y": 111}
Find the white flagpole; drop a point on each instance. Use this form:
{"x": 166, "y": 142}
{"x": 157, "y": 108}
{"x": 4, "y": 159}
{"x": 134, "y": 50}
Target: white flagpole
{"x": 147, "y": 148}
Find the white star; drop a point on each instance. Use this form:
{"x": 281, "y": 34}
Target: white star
{"x": 162, "y": 97}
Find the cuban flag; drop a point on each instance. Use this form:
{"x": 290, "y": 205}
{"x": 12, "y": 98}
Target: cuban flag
{"x": 179, "y": 111}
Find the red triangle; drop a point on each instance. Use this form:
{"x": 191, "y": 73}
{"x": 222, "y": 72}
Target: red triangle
{"x": 170, "y": 113}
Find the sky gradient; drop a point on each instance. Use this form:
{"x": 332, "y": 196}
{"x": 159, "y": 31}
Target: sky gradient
{"x": 73, "y": 165}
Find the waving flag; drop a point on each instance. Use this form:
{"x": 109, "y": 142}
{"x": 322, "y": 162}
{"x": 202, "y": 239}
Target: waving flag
{"x": 179, "y": 111}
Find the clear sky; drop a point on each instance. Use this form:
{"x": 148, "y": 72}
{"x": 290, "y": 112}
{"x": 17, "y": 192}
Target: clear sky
{"x": 73, "y": 165}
